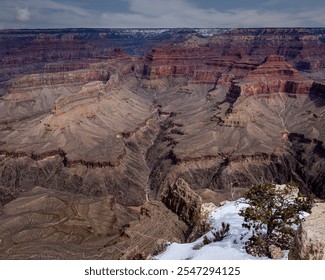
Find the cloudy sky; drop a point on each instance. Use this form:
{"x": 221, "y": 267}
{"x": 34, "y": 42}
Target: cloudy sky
{"x": 161, "y": 13}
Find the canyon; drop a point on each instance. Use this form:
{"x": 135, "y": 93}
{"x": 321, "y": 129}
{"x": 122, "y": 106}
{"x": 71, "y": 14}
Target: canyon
{"x": 111, "y": 139}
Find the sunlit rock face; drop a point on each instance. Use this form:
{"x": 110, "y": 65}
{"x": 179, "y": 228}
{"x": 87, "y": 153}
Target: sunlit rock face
{"x": 309, "y": 243}
{"x": 126, "y": 113}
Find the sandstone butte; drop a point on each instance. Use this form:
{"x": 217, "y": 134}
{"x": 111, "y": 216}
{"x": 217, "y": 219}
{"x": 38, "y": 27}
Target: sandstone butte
{"x": 111, "y": 139}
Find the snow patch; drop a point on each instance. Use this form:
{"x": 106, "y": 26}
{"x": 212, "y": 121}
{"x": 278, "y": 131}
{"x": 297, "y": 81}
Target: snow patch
{"x": 230, "y": 248}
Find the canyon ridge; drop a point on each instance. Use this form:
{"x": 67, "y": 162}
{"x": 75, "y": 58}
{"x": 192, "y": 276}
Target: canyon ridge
{"x": 112, "y": 139}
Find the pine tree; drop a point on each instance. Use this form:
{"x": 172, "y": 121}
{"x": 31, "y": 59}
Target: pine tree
{"x": 271, "y": 216}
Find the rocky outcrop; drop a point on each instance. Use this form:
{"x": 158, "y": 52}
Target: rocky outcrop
{"x": 156, "y": 227}
{"x": 309, "y": 243}
{"x": 275, "y": 75}
{"x": 202, "y": 224}
{"x": 183, "y": 201}
{"x": 274, "y": 65}
{"x": 275, "y": 252}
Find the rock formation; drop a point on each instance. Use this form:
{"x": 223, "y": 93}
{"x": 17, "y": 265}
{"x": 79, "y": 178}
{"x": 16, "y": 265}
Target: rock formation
{"x": 124, "y": 114}
{"x": 309, "y": 243}
{"x": 273, "y": 76}
{"x": 183, "y": 201}
{"x": 275, "y": 252}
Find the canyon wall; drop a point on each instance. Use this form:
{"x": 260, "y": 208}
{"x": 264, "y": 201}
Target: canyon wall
{"x": 127, "y": 113}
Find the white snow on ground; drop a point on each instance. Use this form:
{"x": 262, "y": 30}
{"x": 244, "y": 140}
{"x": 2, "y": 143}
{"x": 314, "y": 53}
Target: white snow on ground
{"x": 230, "y": 248}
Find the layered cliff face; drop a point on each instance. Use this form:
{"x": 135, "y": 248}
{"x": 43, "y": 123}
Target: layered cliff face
{"x": 232, "y": 54}
{"x": 273, "y": 76}
{"x": 183, "y": 201}
{"x": 200, "y": 64}
{"x": 309, "y": 243}
{"x": 91, "y": 112}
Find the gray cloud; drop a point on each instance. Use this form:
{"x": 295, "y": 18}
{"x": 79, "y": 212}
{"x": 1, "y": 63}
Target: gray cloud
{"x": 151, "y": 13}
{"x": 23, "y": 14}
{"x": 180, "y": 13}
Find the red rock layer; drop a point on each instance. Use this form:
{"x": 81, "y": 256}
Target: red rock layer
{"x": 275, "y": 75}
{"x": 231, "y": 55}
{"x": 303, "y": 48}
{"x": 202, "y": 65}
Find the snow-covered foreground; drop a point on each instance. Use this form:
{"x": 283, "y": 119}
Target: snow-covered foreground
{"x": 230, "y": 248}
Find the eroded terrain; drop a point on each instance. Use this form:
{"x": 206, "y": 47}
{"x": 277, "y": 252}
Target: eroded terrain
{"x": 98, "y": 126}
